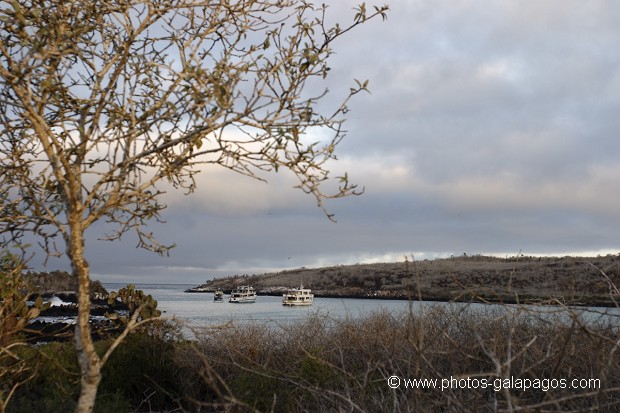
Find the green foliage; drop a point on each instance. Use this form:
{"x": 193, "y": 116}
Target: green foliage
{"x": 14, "y": 310}
{"x": 141, "y": 372}
{"x": 54, "y": 385}
{"x": 136, "y": 301}
{"x": 113, "y": 402}
{"x": 14, "y": 315}
{"x": 255, "y": 389}
{"x": 313, "y": 369}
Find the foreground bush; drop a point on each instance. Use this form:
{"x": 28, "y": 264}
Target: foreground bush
{"x": 322, "y": 364}
{"x": 140, "y": 375}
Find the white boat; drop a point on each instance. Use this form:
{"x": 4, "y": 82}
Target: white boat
{"x": 218, "y": 296}
{"x": 298, "y": 296}
{"x": 243, "y": 294}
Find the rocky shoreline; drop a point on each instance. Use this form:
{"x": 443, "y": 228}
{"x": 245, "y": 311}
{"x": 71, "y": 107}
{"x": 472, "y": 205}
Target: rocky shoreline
{"x": 466, "y": 297}
{"x": 63, "y": 315}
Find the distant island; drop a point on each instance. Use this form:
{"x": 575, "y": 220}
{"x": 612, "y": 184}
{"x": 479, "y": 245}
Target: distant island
{"x": 579, "y": 281}
{"x": 57, "y": 283}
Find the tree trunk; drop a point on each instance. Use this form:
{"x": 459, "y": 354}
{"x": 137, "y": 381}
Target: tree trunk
{"x": 89, "y": 361}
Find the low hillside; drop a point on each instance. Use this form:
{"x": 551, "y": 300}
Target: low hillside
{"x": 570, "y": 280}
{"x": 55, "y": 282}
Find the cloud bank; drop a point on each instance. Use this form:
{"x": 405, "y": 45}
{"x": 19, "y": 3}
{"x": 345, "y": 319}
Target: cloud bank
{"x": 491, "y": 127}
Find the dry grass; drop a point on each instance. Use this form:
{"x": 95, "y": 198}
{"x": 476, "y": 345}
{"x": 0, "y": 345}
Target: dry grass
{"x": 344, "y": 365}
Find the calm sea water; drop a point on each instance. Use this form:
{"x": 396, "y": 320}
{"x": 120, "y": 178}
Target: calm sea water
{"x": 199, "y": 309}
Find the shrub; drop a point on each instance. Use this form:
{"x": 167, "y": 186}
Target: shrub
{"x": 343, "y": 365}
{"x": 140, "y": 376}
{"x": 325, "y": 364}
{"x": 141, "y": 372}
{"x": 54, "y": 383}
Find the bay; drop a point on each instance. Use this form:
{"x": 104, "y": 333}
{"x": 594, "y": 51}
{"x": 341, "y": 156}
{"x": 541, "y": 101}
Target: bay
{"x": 199, "y": 310}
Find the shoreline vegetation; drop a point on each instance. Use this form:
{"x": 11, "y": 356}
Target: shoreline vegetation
{"x": 474, "y": 360}
{"x": 571, "y": 281}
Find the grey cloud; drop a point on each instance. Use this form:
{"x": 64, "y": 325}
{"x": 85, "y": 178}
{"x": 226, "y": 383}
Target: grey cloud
{"x": 491, "y": 127}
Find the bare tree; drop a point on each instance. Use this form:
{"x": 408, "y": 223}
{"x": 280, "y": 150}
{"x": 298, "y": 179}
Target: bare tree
{"x": 103, "y": 102}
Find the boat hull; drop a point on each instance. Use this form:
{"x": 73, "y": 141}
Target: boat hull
{"x": 296, "y": 304}
{"x": 242, "y": 300}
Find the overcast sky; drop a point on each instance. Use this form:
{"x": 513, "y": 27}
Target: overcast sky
{"x": 492, "y": 128}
